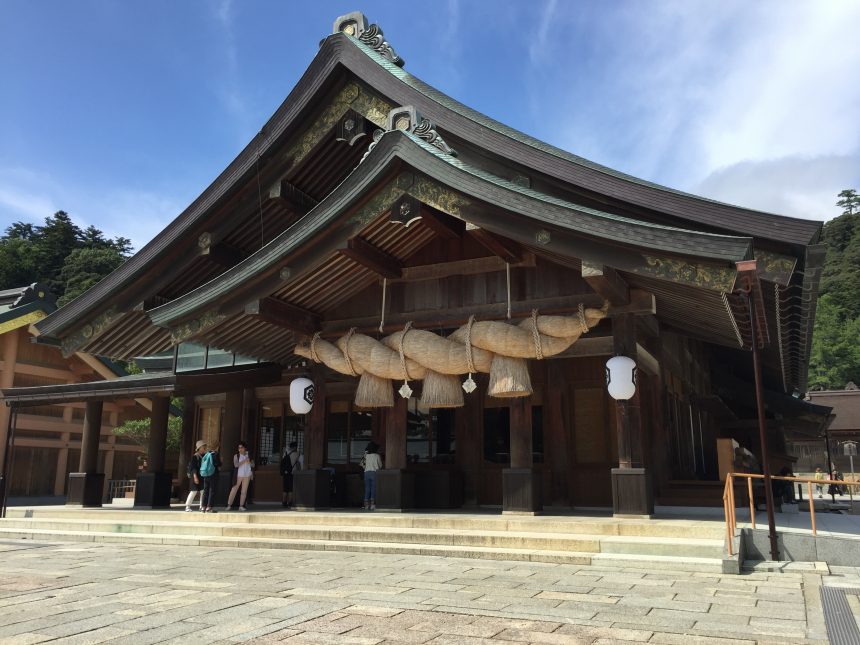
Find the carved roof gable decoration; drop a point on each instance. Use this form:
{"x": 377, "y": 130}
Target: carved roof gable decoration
{"x": 408, "y": 119}
{"x": 355, "y": 24}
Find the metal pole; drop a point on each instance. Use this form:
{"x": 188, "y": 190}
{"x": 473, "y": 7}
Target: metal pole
{"x": 762, "y": 432}
{"x": 5, "y": 476}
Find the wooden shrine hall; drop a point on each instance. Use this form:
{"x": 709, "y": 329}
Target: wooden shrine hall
{"x": 454, "y": 289}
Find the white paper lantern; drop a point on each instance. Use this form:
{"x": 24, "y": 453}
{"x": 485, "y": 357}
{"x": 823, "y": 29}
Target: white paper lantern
{"x": 621, "y": 377}
{"x": 301, "y": 395}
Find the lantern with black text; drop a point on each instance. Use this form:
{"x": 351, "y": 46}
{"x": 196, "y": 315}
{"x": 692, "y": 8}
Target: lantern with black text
{"x": 301, "y": 395}
{"x": 621, "y": 377}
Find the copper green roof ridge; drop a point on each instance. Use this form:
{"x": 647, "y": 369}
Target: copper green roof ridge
{"x": 558, "y": 201}
{"x": 482, "y": 119}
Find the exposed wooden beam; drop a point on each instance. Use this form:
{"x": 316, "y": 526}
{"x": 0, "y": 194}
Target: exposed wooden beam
{"x": 606, "y": 282}
{"x": 443, "y": 225}
{"x": 647, "y": 361}
{"x": 649, "y": 326}
{"x": 508, "y": 250}
{"x": 473, "y": 266}
{"x": 372, "y": 258}
{"x": 283, "y": 314}
{"x": 223, "y": 254}
{"x": 641, "y": 303}
{"x": 588, "y": 346}
{"x": 456, "y": 316}
{"x": 285, "y": 194}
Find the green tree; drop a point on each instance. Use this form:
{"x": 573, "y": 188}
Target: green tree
{"x": 17, "y": 263}
{"x": 138, "y": 431}
{"x": 849, "y": 202}
{"x": 69, "y": 260}
{"x": 835, "y": 356}
{"x": 84, "y": 268}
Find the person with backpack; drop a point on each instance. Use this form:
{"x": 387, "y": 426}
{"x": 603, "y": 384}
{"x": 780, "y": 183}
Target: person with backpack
{"x": 210, "y": 464}
{"x": 290, "y": 462}
{"x": 195, "y": 479}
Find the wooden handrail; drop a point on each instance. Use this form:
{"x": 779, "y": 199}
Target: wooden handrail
{"x": 729, "y": 498}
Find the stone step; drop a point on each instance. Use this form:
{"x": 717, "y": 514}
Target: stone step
{"x": 616, "y": 560}
{"x": 580, "y": 543}
{"x": 567, "y": 525}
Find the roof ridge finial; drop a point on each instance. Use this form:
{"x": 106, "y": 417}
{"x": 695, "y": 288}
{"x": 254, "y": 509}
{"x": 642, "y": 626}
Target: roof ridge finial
{"x": 356, "y": 25}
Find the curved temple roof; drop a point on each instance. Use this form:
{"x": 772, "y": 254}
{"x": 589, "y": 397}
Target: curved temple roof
{"x": 708, "y": 234}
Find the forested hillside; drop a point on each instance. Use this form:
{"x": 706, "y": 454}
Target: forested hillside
{"x": 69, "y": 260}
{"x": 836, "y": 342}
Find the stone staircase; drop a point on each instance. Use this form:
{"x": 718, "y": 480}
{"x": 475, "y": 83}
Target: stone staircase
{"x": 676, "y": 544}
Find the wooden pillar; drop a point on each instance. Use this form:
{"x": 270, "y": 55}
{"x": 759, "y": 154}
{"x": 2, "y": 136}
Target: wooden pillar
{"x": 186, "y": 443}
{"x": 153, "y": 488}
{"x": 62, "y": 465}
{"x": 86, "y": 486}
{"x": 315, "y": 432}
{"x": 312, "y": 484}
{"x": 231, "y": 432}
{"x": 467, "y": 428}
{"x": 7, "y": 379}
{"x": 521, "y": 433}
{"x": 90, "y": 437}
{"x": 631, "y": 482}
{"x": 555, "y": 435}
{"x": 395, "y": 488}
{"x": 395, "y": 434}
{"x": 521, "y": 485}
{"x": 158, "y": 433}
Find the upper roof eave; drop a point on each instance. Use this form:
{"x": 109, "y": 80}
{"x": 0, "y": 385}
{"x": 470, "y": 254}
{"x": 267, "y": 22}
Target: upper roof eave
{"x": 543, "y": 210}
{"x": 372, "y": 68}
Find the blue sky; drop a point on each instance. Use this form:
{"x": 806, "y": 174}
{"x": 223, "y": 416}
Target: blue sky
{"x": 122, "y": 112}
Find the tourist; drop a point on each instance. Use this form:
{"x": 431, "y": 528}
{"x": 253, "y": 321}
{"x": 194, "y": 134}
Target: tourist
{"x": 372, "y": 463}
{"x": 195, "y": 479}
{"x": 210, "y": 465}
{"x": 244, "y": 473}
{"x": 290, "y": 462}
{"x": 819, "y": 477}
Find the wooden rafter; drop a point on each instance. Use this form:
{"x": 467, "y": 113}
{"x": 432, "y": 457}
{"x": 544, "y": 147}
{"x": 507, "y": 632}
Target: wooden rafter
{"x": 372, "y": 258}
{"x": 283, "y": 314}
{"x": 508, "y": 250}
{"x": 606, "y": 282}
{"x": 222, "y": 254}
{"x": 445, "y": 226}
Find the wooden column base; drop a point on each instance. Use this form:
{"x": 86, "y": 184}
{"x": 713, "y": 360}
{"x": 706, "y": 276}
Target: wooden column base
{"x": 395, "y": 490}
{"x": 85, "y": 489}
{"x": 152, "y": 490}
{"x": 521, "y": 491}
{"x": 631, "y": 492}
{"x": 439, "y": 489}
{"x": 311, "y": 490}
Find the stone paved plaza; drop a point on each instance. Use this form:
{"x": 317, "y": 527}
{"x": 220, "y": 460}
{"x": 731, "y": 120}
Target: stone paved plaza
{"x": 115, "y": 593}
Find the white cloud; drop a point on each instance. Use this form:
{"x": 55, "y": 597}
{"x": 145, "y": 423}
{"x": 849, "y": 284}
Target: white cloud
{"x": 538, "y": 50}
{"x": 127, "y": 212}
{"x": 686, "y": 89}
{"x": 791, "y": 90}
{"x": 796, "y": 186}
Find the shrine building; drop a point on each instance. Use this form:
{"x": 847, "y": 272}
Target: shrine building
{"x": 453, "y": 290}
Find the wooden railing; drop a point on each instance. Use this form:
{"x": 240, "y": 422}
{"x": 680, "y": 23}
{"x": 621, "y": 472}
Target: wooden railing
{"x": 729, "y": 498}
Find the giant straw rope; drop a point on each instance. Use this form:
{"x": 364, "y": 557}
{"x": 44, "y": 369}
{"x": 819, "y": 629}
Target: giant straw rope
{"x": 493, "y": 347}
